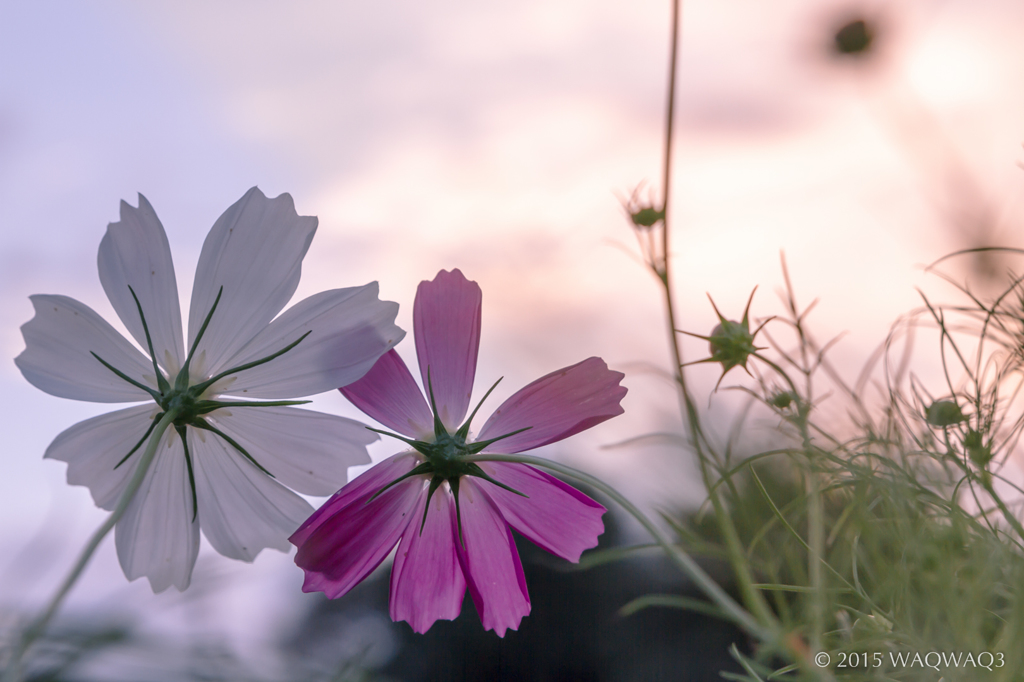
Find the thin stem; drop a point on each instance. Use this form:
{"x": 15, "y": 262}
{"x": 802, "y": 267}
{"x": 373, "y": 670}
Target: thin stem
{"x": 666, "y": 175}
{"x": 815, "y": 558}
{"x": 737, "y": 557}
{"x": 770, "y": 636}
{"x": 38, "y": 626}
{"x": 815, "y": 508}
{"x": 736, "y": 613}
{"x": 1007, "y": 514}
{"x": 662, "y": 269}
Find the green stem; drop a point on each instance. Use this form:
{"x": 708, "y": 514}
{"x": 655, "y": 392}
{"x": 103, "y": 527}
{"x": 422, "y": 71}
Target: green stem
{"x": 815, "y": 512}
{"x": 771, "y": 637}
{"x": 736, "y": 613}
{"x": 737, "y": 557}
{"x": 666, "y": 176}
{"x": 38, "y": 626}
{"x": 1010, "y": 517}
{"x": 816, "y": 540}
{"x": 752, "y": 597}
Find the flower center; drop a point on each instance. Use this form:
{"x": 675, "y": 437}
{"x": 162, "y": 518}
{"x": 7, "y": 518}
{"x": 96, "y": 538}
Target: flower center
{"x": 186, "y": 403}
{"x": 445, "y": 457}
{"x": 445, "y": 453}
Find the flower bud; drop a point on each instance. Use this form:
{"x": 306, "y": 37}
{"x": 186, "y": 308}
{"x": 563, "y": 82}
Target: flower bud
{"x": 731, "y": 343}
{"x": 782, "y": 399}
{"x": 853, "y": 39}
{"x": 646, "y": 217}
{"x": 643, "y": 215}
{"x": 979, "y": 453}
{"x": 944, "y": 413}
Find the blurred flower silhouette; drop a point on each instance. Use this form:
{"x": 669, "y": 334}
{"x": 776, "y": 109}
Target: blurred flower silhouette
{"x": 225, "y": 465}
{"x": 461, "y": 536}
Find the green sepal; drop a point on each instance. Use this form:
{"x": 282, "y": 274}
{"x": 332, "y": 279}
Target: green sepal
{"x": 435, "y": 483}
{"x": 423, "y": 468}
{"x": 454, "y": 483}
{"x": 207, "y": 406}
{"x": 439, "y": 429}
{"x": 475, "y": 470}
{"x": 205, "y": 425}
{"x": 463, "y": 431}
{"x": 156, "y": 396}
{"x": 475, "y": 448}
{"x": 199, "y": 388}
{"x": 181, "y": 381}
{"x": 141, "y": 440}
{"x": 417, "y": 445}
{"x": 181, "y": 429}
{"x": 161, "y": 381}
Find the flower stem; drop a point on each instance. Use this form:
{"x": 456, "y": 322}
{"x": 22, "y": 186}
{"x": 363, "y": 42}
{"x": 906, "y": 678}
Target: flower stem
{"x": 661, "y": 268}
{"x": 1007, "y": 514}
{"x": 666, "y": 171}
{"x": 736, "y": 613}
{"x": 38, "y": 626}
{"x": 815, "y": 509}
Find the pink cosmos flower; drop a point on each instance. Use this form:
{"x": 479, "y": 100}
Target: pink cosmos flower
{"x": 459, "y": 537}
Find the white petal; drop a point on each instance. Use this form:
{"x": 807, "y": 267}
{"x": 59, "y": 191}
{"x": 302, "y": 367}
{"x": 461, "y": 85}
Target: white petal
{"x": 156, "y": 537}
{"x": 307, "y": 451}
{"x": 92, "y": 448}
{"x": 350, "y": 329}
{"x": 255, "y": 252}
{"x": 57, "y": 357}
{"x": 134, "y": 253}
{"x": 243, "y": 509}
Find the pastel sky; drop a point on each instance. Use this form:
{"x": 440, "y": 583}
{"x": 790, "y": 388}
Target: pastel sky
{"x": 496, "y": 138}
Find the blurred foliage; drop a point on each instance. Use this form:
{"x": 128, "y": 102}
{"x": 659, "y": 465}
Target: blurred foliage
{"x": 896, "y": 533}
{"x": 575, "y": 632}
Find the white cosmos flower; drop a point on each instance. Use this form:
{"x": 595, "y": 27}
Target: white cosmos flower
{"x": 211, "y": 469}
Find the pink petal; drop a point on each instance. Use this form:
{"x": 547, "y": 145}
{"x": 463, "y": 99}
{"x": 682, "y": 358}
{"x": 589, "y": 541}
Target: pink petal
{"x": 427, "y": 583}
{"x": 363, "y": 487}
{"x": 556, "y": 406}
{"x": 347, "y": 546}
{"x": 389, "y": 394}
{"x": 490, "y": 561}
{"x": 446, "y": 321}
{"x": 555, "y": 516}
